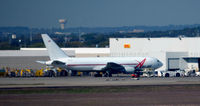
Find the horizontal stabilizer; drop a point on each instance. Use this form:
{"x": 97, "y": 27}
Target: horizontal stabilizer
{"x": 41, "y": 62}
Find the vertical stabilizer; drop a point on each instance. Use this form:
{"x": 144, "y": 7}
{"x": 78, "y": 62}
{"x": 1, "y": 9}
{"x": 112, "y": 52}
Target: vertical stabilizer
{"x": 54, "y": 51}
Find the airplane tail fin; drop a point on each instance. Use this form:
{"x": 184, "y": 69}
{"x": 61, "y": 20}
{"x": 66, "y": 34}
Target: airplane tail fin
{"x": 54, "y": 51}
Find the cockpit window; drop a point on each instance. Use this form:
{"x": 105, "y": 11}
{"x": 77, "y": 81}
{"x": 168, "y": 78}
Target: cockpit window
{"x": 158, "y": 61}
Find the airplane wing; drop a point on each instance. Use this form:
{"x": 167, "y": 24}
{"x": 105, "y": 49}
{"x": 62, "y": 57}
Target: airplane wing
{"x": 111, "y": 67}
{"x": 114, "y": 68}
{"x": 56, "y": 62}
{"x": 98, "y": 68}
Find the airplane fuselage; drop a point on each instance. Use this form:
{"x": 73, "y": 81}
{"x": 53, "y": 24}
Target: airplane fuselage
{"x": 97, "y": 63}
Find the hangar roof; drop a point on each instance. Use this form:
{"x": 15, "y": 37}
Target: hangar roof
{"x": 29, "y": 53}
{"x": 43, "y": 51}
{"x": 77, "y": 50}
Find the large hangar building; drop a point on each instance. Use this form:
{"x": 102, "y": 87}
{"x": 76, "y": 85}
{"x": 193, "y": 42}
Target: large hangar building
{"x": 175, "y": 53}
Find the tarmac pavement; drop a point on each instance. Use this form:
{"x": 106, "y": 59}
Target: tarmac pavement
{"x": 93, "y": 81}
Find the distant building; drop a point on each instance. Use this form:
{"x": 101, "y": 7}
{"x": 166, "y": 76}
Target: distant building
{"x": 14, "y": 36}
{"x": 138, "y": 30}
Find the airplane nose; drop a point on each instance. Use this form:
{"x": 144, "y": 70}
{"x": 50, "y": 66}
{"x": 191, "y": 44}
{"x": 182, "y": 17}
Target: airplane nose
{"x": 160, "y": 64}
{"x": 156, "y": 63}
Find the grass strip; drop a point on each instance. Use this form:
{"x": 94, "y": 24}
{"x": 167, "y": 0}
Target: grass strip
{"x": 97, "y": 89}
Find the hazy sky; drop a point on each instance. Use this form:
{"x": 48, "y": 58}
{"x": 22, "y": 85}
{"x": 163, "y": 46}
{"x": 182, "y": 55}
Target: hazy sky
{"x": 95, "y": 13}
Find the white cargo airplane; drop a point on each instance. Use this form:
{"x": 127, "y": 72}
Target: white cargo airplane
{"x": 107, "y": 65}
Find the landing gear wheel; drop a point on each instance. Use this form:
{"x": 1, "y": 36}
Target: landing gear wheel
{"x": 107, "y": 74}
{"x": 97, "y": 75}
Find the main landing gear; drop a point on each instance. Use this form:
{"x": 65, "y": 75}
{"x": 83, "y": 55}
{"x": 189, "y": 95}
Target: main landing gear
{"x": 107, "y": 74}
{"x": 104, "y": 74}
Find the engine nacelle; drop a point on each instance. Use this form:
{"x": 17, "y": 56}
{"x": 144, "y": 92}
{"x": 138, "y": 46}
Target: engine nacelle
{"x": 129, "y": 70}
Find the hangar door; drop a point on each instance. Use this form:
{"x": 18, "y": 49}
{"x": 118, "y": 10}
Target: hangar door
{"x": 173, "y": 63}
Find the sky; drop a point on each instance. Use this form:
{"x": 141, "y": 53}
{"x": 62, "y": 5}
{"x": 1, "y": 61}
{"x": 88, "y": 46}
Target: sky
{"x": 98, "y": 13}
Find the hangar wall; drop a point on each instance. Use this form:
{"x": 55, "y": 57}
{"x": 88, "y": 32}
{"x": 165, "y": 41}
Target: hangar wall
{"x": 175, "y": 60}
{"x": 159, "y": 48}
{"x": 24, "y": 62}
{"x": 79, "y": 52}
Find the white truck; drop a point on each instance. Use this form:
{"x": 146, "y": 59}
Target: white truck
{"x": 165, "y": 73}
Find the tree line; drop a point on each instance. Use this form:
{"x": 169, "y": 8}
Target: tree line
{"x": 27, "y": 38}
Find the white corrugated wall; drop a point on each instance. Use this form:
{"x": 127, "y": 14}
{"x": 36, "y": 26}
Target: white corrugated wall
{"x": 155, "y": 47}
